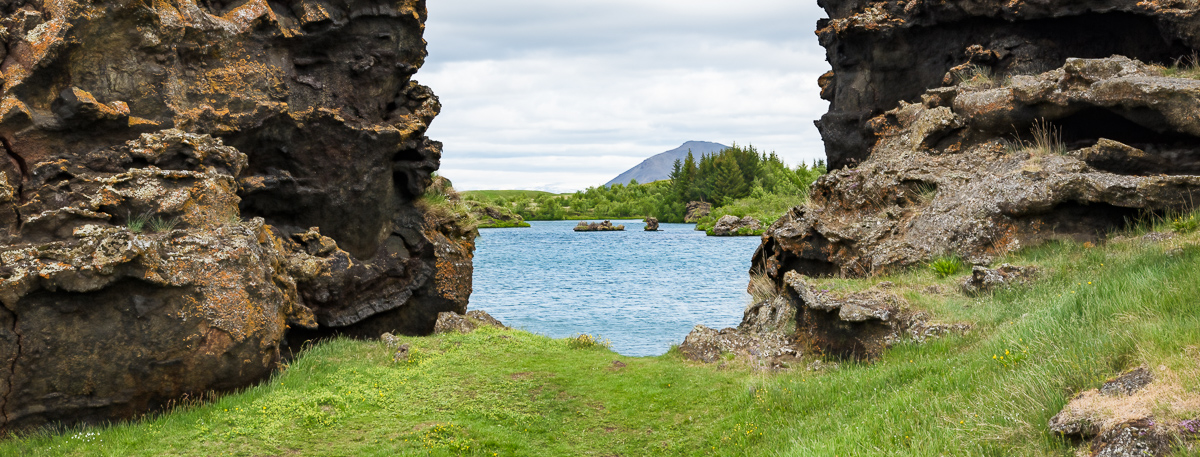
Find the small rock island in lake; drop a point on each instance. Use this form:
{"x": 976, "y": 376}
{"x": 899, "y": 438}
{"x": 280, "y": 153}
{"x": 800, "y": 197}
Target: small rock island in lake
{"x": 606, "y": 226}
{"x": 651, "y": 224}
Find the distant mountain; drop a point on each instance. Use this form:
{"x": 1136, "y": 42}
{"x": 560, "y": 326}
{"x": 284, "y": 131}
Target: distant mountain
{"x": 660, "y": 165}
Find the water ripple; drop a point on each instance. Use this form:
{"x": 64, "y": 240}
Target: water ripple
{"x": 641, "y": 290}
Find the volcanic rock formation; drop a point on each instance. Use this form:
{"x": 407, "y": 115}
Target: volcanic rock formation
{"x": 184, "y": 183}
{"x": 976, "y": 127}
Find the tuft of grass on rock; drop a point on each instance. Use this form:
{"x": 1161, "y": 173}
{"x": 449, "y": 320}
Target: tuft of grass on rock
{"x": 158, "y": 224}
{"x": 1183, "y": 67}
{"x": 977, "y": 76}
{"x": 136, "y": 223}
{"x": 946, "y": 266}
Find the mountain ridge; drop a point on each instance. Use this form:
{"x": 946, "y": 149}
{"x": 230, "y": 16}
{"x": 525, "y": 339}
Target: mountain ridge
{"x": 659, "y": 166}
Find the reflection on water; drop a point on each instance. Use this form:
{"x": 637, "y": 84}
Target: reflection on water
{"x": 641, "y": 290}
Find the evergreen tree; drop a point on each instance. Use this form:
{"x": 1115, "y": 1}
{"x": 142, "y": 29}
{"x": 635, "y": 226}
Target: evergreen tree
{"x": 728, "y": 183}
{"x": 689, "y": 190}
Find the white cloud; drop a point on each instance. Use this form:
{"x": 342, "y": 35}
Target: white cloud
{"x": 565, "y": 95}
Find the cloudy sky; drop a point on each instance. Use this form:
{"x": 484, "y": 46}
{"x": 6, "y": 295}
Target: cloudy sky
{"x": 562, "y": 95}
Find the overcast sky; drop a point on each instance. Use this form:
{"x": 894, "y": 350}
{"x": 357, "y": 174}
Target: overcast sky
{"x": 562, "y": 95}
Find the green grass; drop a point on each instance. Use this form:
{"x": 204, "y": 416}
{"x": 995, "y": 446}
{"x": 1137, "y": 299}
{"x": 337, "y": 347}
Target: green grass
{"x": 1093, "y": 313}
{"x": 508, "y": 194}
{"x": 1186, "y": 223}
{"x": 501, "y": 224}
{"x": 946, "y": 266}
{"x": 1184, "y": 67}
{"x": 136, "y": 223}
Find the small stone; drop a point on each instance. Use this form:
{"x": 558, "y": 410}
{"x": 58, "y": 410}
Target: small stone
{"x": 401, "y": 354}
{"x": 983, "y": 279}
{"x": 389, "y": 340}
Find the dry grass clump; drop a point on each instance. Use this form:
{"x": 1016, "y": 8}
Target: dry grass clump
{"x": 1184, "y": 67}
{"x": 977, "y": 76}
{"x": 442, "y": 204}
{"x": 1045, "y": 139}
{"x": 1165, "y": 400}
{"x": 761, "y": 288}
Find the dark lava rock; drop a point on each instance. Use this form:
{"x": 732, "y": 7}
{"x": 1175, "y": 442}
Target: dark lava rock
{"x": 945, "y": 176}
{"x": 651, "y": 224}
{"x": 933, "y": 108}
{"x": 805, "y": 319}
{"x": 605, "y": 226}
{"x": 729, "y": 225}
{"x": 183, "y": 184}
{"x": 886, "y": 52}
{"x": 858, "y": 325}
{"x": 983, "y": 279}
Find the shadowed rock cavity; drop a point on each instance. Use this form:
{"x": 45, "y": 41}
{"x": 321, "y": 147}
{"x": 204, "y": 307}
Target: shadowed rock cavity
{"x": 184, "y": 185}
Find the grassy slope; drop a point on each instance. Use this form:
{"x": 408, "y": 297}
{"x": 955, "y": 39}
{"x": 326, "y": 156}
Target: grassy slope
{"x": 1095, "y": 312}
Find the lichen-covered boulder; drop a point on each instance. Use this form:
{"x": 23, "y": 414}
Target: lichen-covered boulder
{"x": 983, "y": 279}
{"x": 184, "y": 186}
{"x": 450, "y": 321}
{"x": 730, "y": 225}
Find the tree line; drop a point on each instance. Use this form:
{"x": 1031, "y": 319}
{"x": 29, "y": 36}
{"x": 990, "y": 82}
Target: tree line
{"x": 733, "y": 174}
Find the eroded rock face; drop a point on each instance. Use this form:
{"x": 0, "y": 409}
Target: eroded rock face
{"x": 857, "y": 325}
{"x": 696, "y": 210}
{"x": 885, "y": 52}
{"x": 185, "y": 184}
{"x": 946, "y": 174}
{"x": 932, "y": 105}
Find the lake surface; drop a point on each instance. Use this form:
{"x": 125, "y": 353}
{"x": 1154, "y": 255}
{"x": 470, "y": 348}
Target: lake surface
{"x": 641, "y": 290}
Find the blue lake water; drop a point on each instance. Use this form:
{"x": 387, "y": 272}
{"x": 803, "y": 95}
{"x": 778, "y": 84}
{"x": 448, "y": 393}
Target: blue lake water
{"x": 641, "y": 290}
